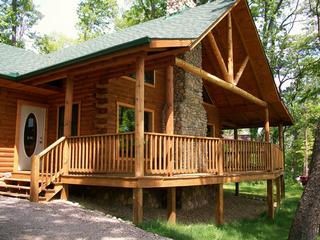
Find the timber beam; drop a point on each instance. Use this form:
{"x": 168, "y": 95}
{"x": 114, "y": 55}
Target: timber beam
{"x": 219, "y": 82}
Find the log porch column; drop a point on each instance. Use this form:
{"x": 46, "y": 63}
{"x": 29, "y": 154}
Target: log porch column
{"x": 171, "y": 195}
{"x": 139, "y": 139}
{"x": 235, "y": 137}
{"x": 67, "y": 130}
{"x": 281, "y": 145}
{"x": 270, "y": 201}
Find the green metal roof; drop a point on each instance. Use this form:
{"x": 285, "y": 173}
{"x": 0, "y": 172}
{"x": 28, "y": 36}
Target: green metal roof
{"x": 17, "y": 64}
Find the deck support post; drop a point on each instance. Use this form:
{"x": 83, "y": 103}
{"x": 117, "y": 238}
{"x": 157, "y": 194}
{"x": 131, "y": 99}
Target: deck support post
{"x": 219, "y": 202}
{"x": 236, "y": 193}
{"x": 65, "y": 192}
{"x": 278, "y": 190}
{"x": 282, "y": 186}
{"x": 34, "y": 182}
{"x": 235, "y": 137}
{"x": 137, "y": 205}
{"x": 270, "y": 202}
{"x": 281, "y": 145}
{"x": 171, "y": 205}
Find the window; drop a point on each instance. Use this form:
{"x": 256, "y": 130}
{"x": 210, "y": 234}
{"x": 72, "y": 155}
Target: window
{"x": 126, "y": 121}
{"x": 75, "y": 120}
{"x": 149, "y": 77}
{"x": 210, "y": 130}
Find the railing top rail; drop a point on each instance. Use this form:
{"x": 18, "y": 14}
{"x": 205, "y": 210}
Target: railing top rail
{"x": 100, "y": 135}
{"x": 53, "y": 145}
{"x": 199, "y": 137}
{"x": 180, "y": 136}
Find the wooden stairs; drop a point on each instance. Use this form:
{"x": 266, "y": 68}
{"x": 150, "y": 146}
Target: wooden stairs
{"x": 18, "y": 185}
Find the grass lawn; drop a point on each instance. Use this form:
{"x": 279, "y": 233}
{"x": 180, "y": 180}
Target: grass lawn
{"x": 260, "y": 228}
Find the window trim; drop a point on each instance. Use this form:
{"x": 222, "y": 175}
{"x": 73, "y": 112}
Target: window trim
{"x": 122, "y": 104}
{"x": 146, "y": 84}
{"x": 79, "y": 117}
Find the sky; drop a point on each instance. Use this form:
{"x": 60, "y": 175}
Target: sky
{"x": 61, "y": 16}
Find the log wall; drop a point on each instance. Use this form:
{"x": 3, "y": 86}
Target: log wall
{"x": 8, "y": 117}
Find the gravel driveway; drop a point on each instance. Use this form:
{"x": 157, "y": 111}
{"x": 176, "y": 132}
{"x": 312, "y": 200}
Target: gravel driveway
{"x": 21, "y": 219}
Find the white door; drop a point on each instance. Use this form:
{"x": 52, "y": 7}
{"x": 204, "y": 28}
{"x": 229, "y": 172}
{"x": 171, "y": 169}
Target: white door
{"x": 32, "y": 134}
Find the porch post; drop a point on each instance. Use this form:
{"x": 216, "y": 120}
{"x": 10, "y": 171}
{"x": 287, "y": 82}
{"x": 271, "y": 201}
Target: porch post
{"x": 267, "y": 126}
{"x": 68, "y": 107}
{"x": 270, "y": 201}
{"x": 281, "y": 145}
{"x": 235, "y": 137}
{"x": 67, "y": 131}
{"x": 171, "y": 195}
{"x": 139, "y": 139}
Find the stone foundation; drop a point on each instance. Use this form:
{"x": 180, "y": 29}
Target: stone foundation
{"x": 187, "y": 197}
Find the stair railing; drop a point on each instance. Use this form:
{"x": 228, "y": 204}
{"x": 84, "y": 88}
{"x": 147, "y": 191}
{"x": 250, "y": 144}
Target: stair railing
{"x": 47, "y": 167}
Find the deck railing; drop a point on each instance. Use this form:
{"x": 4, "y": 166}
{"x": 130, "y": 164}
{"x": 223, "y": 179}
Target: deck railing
{"x": 163, "y": 155}
{"x": 246, "y": 156}
{"x": 178, "y": 154}
{"x": 170, "y": 154}
{"x": 277, "y": 156}
{"x": 47, "y": 167}
{"x": 105, "y": 153}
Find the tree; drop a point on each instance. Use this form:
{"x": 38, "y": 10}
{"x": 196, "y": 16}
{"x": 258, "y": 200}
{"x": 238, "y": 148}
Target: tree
{"x": 142, "y": 11}
{"x": 95, "y": 17}
{"x": 17, "y": 17}
{"x": 307, "y": 219}
{"x": 52, "y": 42}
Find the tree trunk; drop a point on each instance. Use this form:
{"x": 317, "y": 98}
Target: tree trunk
{"x": 306, "y": 156}
{"x": 307, "y": 219}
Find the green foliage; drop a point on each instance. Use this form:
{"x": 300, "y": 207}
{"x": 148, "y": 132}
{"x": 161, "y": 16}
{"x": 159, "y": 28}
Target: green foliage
{"x": 52, "y": 42}
{"x": 17, "y": 17}
{"x": 126, "y": 119}
{"x": 95, "y": 17}
{"x": 260, "y": 228}
{"x": 142, "y": 11}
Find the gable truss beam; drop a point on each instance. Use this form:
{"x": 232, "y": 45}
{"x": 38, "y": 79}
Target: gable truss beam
{"x": 230, "y": 50}
{"x": 241, "y": 70}
{"x": 217, "y": 53}
{"x": 219, "y": 82}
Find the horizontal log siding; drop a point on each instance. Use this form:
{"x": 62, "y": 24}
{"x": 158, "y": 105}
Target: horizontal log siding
{"x": 213, "y": 118}
{"x": 118, "y": 90}
{"x": 6, "y": 159}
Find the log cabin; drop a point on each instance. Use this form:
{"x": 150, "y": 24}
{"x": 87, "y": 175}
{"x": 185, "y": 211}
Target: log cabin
{"x": 183, "y": 78}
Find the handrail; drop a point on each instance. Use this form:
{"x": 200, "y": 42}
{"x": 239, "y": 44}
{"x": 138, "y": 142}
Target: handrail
{"x": 47, "y": 167}
{"x": 53, "y": 145}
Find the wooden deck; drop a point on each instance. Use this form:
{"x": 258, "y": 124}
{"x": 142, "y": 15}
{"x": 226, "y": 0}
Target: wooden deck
{"x": 168, "y": 161}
